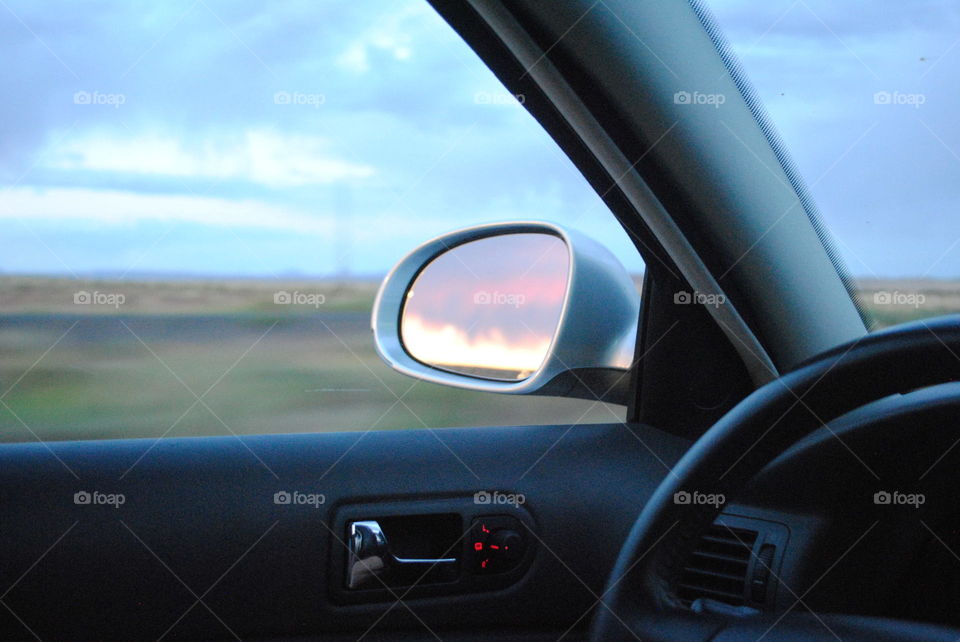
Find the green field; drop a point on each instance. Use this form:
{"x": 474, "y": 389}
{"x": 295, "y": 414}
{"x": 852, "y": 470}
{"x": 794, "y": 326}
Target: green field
{"x": 70, "y": 371}
{"x": 135, "y": 368}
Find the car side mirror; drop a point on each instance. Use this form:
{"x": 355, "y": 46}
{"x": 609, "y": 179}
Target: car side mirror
{"x": 522, "y": 308}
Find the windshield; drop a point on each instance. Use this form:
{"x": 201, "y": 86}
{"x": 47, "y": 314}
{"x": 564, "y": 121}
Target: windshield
{"x": 865, "y": 96}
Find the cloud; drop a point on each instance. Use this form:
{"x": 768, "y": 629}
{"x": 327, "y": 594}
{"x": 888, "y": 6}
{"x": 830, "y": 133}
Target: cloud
{"x": 398, "y": 150}
{"x": 262, "y": 157}
{"x": 118, "y": 208}
{"x": 448, "y": 345}
{"x": 393, "y": 34}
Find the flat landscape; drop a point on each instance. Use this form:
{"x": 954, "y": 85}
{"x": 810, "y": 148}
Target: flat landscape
{"x": 106, "y": 369}
{"x": 107, "y": 358}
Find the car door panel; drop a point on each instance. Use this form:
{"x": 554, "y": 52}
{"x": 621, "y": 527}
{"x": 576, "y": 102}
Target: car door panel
{"x": 198, "y": 545}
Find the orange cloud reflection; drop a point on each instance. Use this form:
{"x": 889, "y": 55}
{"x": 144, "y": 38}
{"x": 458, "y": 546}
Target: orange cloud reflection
{"x": 448, "y": 346}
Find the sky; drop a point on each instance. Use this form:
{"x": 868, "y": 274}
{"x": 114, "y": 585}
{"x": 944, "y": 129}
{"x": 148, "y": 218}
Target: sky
{"x": 204, "y": 137}
{"x": 884, "y": 170}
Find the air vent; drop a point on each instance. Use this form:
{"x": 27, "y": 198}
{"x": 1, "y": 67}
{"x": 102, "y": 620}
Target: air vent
{"x": 720, "y": 566}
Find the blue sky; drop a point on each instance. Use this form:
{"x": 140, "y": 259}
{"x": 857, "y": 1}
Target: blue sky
{"x": 886, "y": 175}
{"x": 234, "y": 138}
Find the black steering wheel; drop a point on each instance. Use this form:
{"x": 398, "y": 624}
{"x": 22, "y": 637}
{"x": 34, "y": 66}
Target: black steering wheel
{"x": 640, "y": 599}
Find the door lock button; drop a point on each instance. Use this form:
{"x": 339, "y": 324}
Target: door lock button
{"x": 497, "y": 544}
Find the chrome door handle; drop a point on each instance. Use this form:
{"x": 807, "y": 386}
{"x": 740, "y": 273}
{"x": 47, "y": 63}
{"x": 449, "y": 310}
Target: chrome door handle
{"x": 370, "y": 556}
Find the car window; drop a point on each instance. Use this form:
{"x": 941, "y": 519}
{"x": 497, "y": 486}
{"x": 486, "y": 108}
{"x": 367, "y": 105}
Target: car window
{"x": 200, "y": 199}
{"x": 865, "y": 97}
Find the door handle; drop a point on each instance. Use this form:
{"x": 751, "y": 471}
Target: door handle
{"x": 370, "y": 556}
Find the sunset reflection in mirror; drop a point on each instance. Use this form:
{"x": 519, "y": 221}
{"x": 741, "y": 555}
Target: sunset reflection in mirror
{"x": 488, "y": 308}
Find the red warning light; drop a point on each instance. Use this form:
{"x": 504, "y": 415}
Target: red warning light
{"x": 495, "y": 547}
{"x": 478, "y": 546}
{"x": 483, "y": 564}
{"x": 483, "y": 527}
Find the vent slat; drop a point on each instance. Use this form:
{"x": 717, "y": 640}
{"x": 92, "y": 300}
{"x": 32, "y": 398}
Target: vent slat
{"x": 726, "y": 558}
{"x": 743, "y": 542}
{"x": 700, "y": 590}
{"x": 717, "y": 574}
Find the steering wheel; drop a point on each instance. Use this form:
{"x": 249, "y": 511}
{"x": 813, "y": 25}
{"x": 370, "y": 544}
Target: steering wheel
{"x": 640, "y": 599}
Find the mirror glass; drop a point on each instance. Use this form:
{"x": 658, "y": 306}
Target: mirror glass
{"x": 488, "y": 308}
